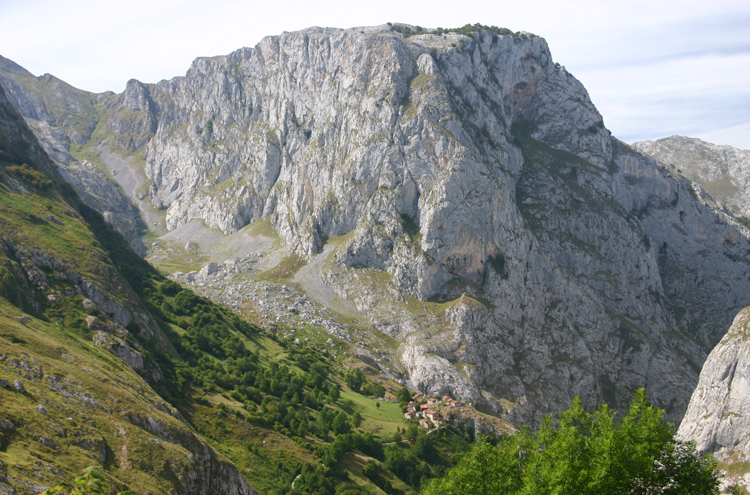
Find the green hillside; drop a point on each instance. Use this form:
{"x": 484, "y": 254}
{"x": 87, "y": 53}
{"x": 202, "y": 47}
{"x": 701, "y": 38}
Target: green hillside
{"x": 108, "y": 363}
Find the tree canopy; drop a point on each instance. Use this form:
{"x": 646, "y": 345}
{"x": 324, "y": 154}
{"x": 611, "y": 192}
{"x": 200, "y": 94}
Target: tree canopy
{"x": 588, "y": 454}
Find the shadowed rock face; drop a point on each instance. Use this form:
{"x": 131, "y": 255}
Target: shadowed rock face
{"x": 722, "y": 170}
{"x": 470, "y": 169}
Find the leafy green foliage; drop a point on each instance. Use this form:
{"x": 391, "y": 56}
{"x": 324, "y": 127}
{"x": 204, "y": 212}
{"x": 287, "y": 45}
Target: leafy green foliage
{"x": 28, "y": 175}
{"x": 587, "y": 454}
{"x": 403, "y": 395}
{"x": 91, "y": 482}
{"x": 356, "y": 380}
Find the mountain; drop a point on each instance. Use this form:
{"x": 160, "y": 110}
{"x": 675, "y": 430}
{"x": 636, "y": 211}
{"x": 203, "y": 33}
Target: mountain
{"x": 722, "y": 170}
{"x": 718, "y": 416}
{"x": 75, "y": 346}
{"x": 448, "y": 202}
{"x": 104, "y": 361}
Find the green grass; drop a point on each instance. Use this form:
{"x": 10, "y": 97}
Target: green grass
{"x": 71, "y": 242}
{"x": 382, "y": 421}
{"x": 83, "y": 369}
{"x": 436, "y": 307}
{"x": 264, "y": 228}
{"x": 171, "y": 264}
{"x": 422, "y": 80}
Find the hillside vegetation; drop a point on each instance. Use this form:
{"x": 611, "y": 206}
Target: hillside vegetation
{"x": 107, "y": 362}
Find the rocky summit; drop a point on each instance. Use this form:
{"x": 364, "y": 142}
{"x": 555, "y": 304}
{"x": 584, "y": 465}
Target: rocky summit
{"x": 451, "y": 200}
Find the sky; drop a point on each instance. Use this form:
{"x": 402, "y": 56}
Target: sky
{"x": 653, "y": 68}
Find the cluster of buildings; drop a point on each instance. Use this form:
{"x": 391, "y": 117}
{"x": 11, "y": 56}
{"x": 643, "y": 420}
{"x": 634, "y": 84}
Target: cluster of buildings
{"x": 425, "y": 411}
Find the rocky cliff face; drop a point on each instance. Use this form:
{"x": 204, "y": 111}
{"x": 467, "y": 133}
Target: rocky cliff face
{"x": 722, "y": 170}
{"x": 718, "y": 417}
{"x": 483, "y": 216}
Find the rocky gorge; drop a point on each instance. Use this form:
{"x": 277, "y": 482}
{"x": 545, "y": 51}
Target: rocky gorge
{"x": 455, "y": 197}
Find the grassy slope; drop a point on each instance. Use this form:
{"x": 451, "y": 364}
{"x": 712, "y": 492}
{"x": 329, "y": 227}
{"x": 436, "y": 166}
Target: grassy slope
{"x": 92, "y": 399}
{"x": 86, "y": 391}
{"x": 60, "y": 345}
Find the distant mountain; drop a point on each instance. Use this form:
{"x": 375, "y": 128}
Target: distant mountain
{"x": 722, "y": 170}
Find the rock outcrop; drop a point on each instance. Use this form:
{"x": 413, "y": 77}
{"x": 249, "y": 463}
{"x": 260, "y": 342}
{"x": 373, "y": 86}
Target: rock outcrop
{"x": 722, "y": 170}
{"x": 718, "y": 417}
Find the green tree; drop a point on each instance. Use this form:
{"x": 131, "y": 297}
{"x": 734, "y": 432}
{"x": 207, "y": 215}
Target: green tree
{"x": 333, "y": 393}
{"x": 412, "y": 431}
{"x": 356, "y": 420}
{"x": 355, "y": 379}
{"x": 403, "y": 395}
{"x": 340, "y": 424}
{"x": 588, "y": 454}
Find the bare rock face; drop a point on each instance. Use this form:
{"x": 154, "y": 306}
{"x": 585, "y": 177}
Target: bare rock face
{"x": 462, "y": 164}
{"x": 722, "y": 170}
{"x": 718, "y": 417}
{"x": 329, "y": 132}
{"x": 119, "y": 348}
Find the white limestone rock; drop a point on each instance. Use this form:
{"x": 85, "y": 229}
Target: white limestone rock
{"x": 455, "y": 165}
{"x": 718, "y": 417}
{"x": 119, "y": 348}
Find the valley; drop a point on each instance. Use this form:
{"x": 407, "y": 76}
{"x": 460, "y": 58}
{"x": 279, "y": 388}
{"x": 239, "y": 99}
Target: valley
{"x": 444, "y": 210}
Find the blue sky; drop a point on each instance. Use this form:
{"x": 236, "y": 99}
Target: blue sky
{"x": 653, "y": 68}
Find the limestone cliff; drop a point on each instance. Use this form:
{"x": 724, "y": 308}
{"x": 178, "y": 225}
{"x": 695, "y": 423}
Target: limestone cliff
{"x": 461, "y": 164}
{"x": 483, "y": 215}
{"x": 718, "y": 417}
